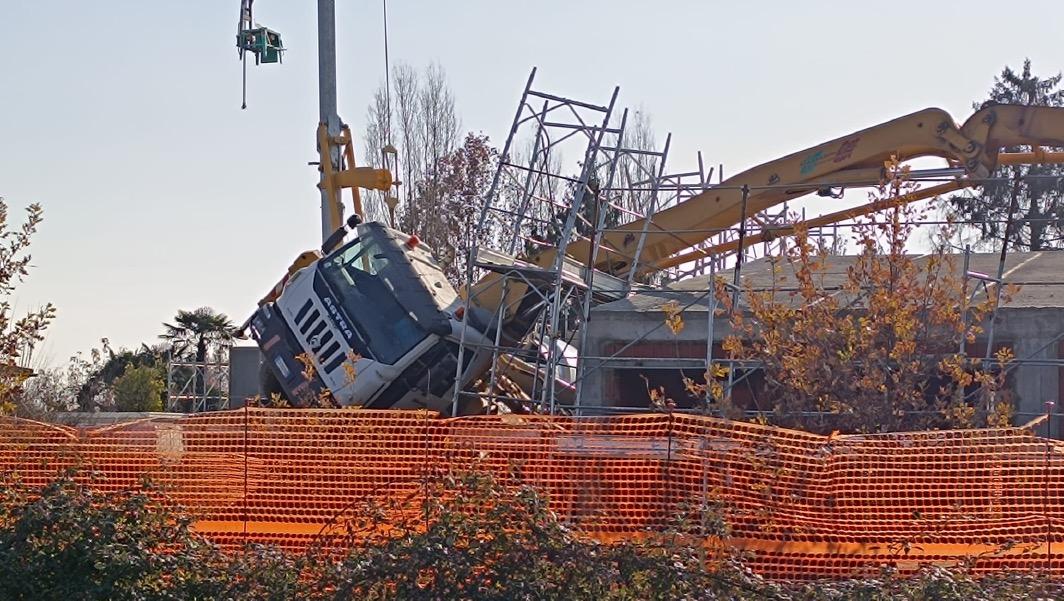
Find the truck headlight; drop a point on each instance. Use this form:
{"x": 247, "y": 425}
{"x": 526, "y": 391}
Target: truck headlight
{"x": 281, "y": 367}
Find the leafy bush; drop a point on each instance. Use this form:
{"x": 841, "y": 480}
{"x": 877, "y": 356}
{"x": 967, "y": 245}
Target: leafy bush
{"x": 471, "y": 537}
{"x": 69, "y": 542}
{"x": 932, "y": 584}
{"x": 73, "y": 543}
{"x": 461, "y": 537}
{"x": 140, "y": 388}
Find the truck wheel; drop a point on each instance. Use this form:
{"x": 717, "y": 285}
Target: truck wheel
{"x": 269, "y": 385}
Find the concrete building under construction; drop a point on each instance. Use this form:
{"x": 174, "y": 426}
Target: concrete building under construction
{"x": 626, "y": 339}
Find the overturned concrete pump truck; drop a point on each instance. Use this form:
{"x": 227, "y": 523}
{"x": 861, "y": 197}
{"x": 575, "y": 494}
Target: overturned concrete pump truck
{"x": 373, "y": 322}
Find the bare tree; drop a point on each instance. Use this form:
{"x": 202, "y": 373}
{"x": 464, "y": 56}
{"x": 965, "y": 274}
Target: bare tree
{"x": 419, "y": 119}
{"x": 375, "y": 138}
{"x": 438, "y": 118}
{"x": 433, "y": 135}
{"x": 636, "y": 168}
{"x": 407, "y": 135}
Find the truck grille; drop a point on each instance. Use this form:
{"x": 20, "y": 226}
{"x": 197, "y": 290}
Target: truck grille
{"x": 321, "y": 339}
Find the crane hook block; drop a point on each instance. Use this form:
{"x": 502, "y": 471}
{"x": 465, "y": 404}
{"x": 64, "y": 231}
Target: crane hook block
{"x": 264, "y": 43}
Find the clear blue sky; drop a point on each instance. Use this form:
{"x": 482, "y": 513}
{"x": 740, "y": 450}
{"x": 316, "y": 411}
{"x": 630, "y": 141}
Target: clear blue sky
{"x": 122, "y": 117}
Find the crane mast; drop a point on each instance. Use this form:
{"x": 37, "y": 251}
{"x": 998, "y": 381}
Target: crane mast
{"x": 332, "y": 210}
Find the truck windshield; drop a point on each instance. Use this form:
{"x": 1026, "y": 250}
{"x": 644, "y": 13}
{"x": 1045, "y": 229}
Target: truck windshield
{"x": 359, "y": 276}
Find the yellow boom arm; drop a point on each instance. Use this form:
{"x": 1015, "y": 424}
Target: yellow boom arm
{"x": 855, "y": 160}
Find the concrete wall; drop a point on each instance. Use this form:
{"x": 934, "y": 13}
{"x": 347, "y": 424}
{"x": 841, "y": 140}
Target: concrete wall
{"x": 1034, "y": 334}
{"x": 243, "y": 374}
{"x": 638, "y": 318}
{"x": 90, "y": 419}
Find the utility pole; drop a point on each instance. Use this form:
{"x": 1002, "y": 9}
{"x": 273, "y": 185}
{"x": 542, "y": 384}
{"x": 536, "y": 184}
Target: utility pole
{"x": 327, "y": 111}
{"x": 332, "y": 137}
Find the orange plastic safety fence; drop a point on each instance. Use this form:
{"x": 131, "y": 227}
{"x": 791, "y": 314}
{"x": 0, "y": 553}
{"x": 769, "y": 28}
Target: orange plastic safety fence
{"x": 800, "y": 505}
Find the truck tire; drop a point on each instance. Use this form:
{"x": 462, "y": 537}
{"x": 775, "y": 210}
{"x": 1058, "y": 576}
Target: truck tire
{"x": 269, "y": 385}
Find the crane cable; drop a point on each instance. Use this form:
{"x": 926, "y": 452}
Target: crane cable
{"x": 388, "y": 122}
{"x": 245, "y": 17}
{"x": 387, "y": 81}
{"x": 244, "y": 81}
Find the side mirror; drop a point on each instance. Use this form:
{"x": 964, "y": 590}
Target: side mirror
{"x": 337, "y": 237}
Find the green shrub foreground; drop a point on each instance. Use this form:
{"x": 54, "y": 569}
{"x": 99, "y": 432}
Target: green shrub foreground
{"x": 467, "y": 537}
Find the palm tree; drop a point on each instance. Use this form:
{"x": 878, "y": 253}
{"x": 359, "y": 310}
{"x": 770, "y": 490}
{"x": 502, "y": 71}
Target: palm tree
{"x": 203, "y": 329}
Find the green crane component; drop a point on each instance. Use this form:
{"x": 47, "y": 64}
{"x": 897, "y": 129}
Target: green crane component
{"x": 252, "y": 38}
{"x": 264, "y": 43}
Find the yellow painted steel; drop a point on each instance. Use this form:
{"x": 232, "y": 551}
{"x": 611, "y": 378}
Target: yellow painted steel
{"x": 351, "y": 177}
{"x": 305, "y": 258}
{"x": 930, "y": 132}
{"x": 836, "y": 217}
{"x": 326, "y": 166}
{"x": 363, "y": 177}
{"x": 853, "y": 159}
{"x": 349, "y": 156}
{"x": 1012, "y": 158}
{"x": 1036, "y": 157}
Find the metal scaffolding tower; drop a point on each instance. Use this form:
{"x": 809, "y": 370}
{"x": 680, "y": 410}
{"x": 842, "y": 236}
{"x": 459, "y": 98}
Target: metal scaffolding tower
{"x": 538, "y": 201}
{"x": 194, "y": 386}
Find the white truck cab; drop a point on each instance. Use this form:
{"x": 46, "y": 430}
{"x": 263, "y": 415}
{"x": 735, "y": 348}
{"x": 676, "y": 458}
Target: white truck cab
{"x": 377, "y": 321}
